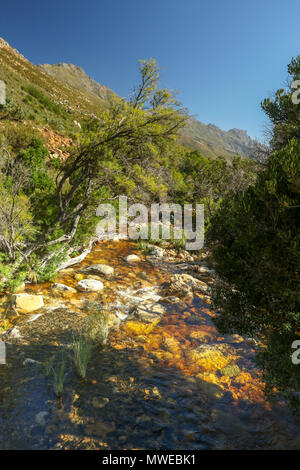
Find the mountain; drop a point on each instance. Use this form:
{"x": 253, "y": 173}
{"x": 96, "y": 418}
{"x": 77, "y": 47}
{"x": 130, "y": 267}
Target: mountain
{"x": 213, "y": 141}
{"x": 43, "y": 98}
{"x": 75, "y": 76}
{"x": 61, "y": 96}
{"x": 209, "y": 139}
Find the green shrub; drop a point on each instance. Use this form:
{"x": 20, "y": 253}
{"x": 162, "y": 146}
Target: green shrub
{"x": 82, "y": 351}
{"x": 97, "y": 329}
{"x": 44, "y": 100}
{"x": 255, "y": 239}
{"x": 59, "y": 377}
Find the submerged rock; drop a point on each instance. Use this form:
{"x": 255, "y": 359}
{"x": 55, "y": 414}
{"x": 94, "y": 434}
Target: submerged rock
{"x": 230, "y": 371}
{"x": 210, "y": 358}
{"x": 89, "y": 285}
{"x": 63, "y": 288}
{"x": 202, "y": 335}
{"x": 148, "y": 311}
{"x": 103, "y": 269}
{"x": 26, "y": 303}
{"x": 40, "y": 418}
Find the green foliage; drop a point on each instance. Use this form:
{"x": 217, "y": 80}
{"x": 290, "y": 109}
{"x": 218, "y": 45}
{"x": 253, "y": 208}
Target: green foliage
{"x": 43, "y": 99}
{"x": 11, "y": 110}
{"x": 178, "y": 245}
{"x": 143, "y": 246}
{"x": 59, "y": 377}
{"x": 206, "y": 181}
{"x": 255, "y": 239}
{"x": 97, "y": 329}
{"x": 282, "y": 112}
{"x": 8, "y": 278}
{"x": 82, "y": 351}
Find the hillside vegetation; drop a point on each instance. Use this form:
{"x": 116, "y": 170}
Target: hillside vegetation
{"x": 105, "y": 149}
{"x": 255, "y": 238}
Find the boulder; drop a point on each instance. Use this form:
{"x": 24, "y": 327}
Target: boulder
{"x": 89, "y": 285}
{"x": 182, "y": 285}
{"x": 144, "y": 317}
{"x": 26, "y": 303}
{"x": 132, "y": 258}
{"x": 102, "y": 269}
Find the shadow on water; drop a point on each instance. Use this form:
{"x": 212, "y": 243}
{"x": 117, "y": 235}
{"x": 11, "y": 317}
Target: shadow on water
{"x": 125, "y": 405}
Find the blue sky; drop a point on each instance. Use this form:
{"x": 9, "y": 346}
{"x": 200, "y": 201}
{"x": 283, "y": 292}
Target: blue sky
{"x": 222, "y": 56}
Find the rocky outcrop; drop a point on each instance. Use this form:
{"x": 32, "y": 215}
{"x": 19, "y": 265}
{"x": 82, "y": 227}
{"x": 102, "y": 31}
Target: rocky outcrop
{"x": 182, "y": 285}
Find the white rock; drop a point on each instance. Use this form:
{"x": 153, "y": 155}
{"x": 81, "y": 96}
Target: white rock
{"x": 15, "y": 333}
{"x": 157, "y": 252}
{"x": 121, "y": 316}
{"x": 89, "y": 285}
{"x": 206, "y": 269}
{"x": 132, "y": 258}
{"x": 77, "y": 124}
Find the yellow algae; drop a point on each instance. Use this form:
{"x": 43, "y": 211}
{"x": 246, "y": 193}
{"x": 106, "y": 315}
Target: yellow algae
{"x": 171, "y": 344}
{"x": 140, "y": 328}
{"x": 209, "y": 360}
{"x": 208, "y": 377}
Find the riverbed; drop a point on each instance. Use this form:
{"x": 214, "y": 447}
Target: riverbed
{"x": 175, "y": 384}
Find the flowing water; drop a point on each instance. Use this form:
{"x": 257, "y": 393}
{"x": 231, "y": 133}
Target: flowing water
{"x": 146, "y": 389}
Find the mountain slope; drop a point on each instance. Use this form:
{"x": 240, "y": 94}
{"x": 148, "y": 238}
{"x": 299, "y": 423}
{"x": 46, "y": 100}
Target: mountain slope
{"x": 59, "y": 95}
{"x": 75, "y": 76}
{"x": 209, "y": 139}
{"x": 43, "y": 98}
{"x": 213, "y": 141}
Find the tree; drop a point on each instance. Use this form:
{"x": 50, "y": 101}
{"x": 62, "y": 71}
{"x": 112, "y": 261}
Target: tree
{"x": 124, "y": 150}
{"x": 283, "y": 113}
{"x": 209, "y": 181}
{"x": 255, "y": 240}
